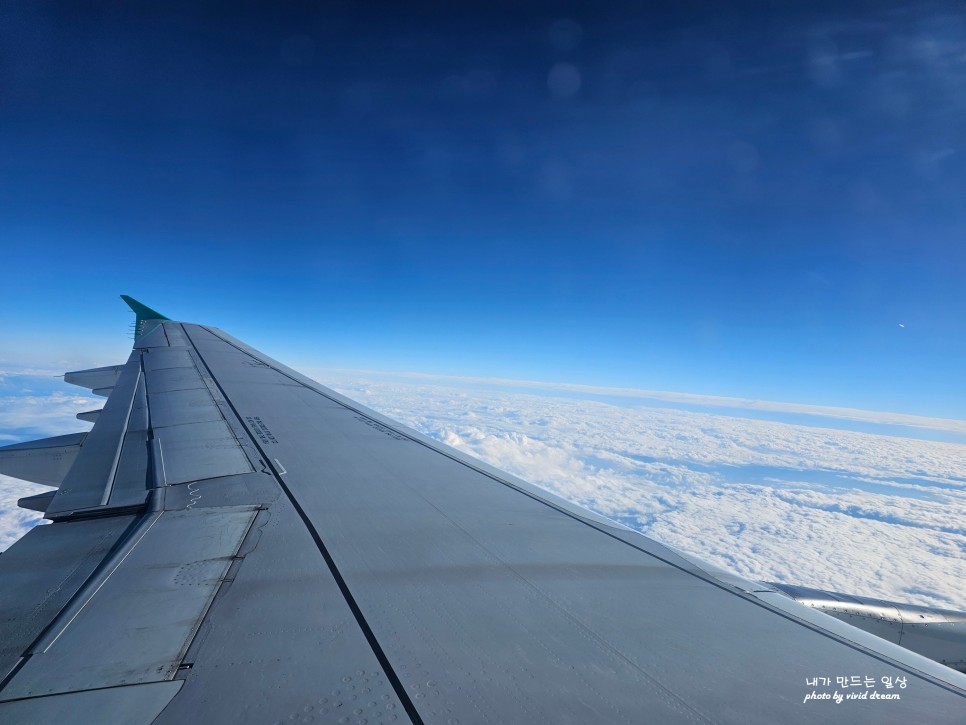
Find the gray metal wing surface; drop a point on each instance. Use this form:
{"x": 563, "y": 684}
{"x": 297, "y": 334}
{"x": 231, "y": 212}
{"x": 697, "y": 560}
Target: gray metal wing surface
{"x": 233, "y": 542}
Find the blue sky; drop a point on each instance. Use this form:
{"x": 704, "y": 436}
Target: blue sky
{"x": 746, "y": 201}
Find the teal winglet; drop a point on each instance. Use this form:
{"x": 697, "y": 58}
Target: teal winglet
{"x": 144, "y": 314}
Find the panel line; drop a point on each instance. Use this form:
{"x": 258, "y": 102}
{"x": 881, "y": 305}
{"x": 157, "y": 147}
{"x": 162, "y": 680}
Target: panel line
{"x": 360, "y": 618}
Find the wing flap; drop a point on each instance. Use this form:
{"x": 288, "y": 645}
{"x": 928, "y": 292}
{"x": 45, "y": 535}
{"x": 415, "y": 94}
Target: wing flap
{"x": 130, "y": 704}
{"x": 89, "y": 482}
{"x": 40, "y": 574}
{"x": 141, "y": 616}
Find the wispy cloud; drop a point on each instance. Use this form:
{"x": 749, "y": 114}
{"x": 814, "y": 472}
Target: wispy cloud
{"x": 696, "y": 399}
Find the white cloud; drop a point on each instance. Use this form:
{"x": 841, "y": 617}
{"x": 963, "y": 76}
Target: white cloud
{"x": 15, "y": 521}
{"x": 691, "y": 399}
{"x": 854, "y": 512}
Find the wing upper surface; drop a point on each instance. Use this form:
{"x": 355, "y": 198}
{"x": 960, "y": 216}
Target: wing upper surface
{"x": 336, "y": 564}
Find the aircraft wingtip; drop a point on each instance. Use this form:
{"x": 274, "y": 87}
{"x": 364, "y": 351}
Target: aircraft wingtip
{"x": 142, "y": 311}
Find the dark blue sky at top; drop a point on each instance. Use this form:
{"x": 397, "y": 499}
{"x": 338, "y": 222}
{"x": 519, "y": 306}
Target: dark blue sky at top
{"x": 739, "y": 199}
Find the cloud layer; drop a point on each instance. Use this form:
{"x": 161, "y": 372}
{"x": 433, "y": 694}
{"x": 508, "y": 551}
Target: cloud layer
{"x": 854, "y": 512}
{"x": 38, "y": 404}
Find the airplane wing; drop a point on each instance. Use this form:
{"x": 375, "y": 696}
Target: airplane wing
{"x": 233, "y": 542}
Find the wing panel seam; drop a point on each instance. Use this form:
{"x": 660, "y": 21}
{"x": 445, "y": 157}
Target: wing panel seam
{"x": 370, "y": 636}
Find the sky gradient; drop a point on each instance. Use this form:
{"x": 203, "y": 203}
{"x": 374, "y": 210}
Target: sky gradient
{"x": 757, "y": 200}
